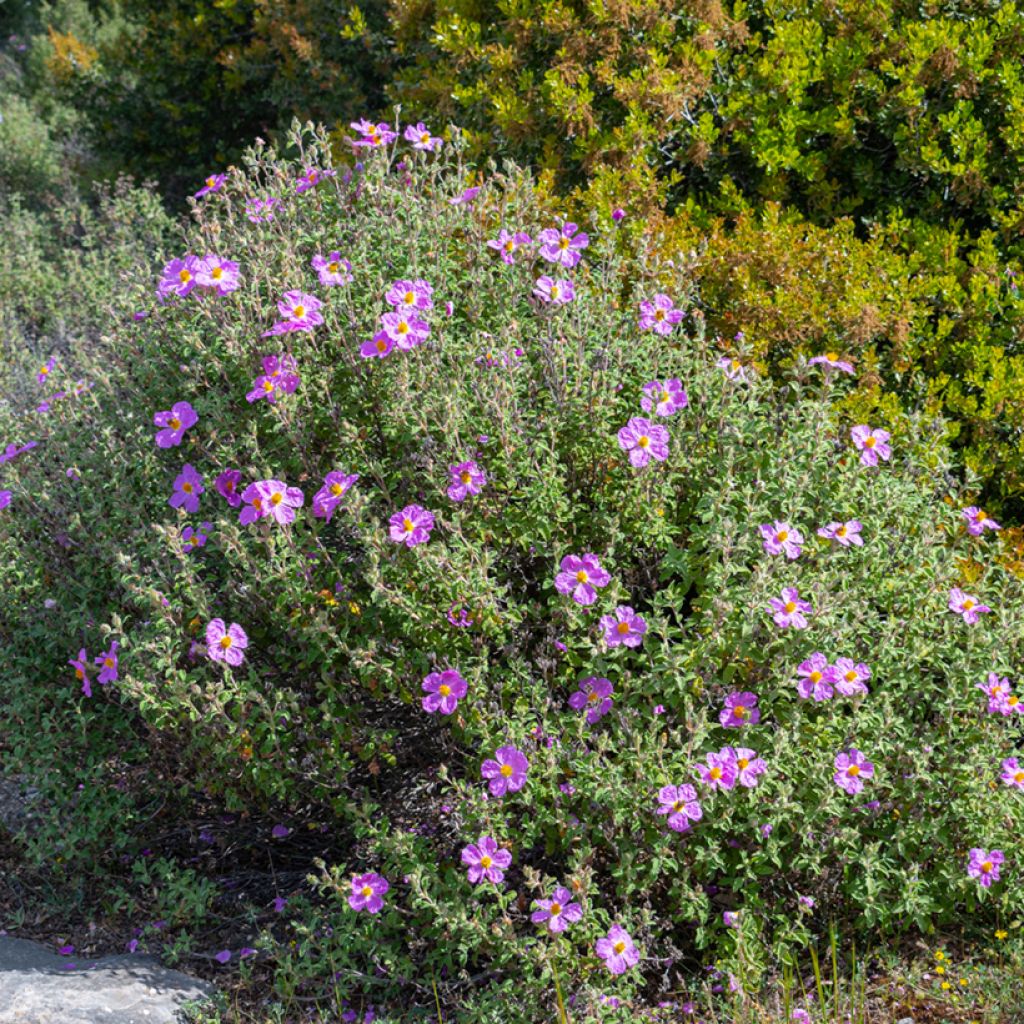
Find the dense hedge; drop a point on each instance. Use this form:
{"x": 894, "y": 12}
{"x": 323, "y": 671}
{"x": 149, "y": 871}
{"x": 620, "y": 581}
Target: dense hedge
{"x": 197, "y": 586}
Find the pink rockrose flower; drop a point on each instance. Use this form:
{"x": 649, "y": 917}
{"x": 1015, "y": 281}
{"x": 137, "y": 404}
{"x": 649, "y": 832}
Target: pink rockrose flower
{"x": 831, "y": 361}
{"x": 465, "y": 479}
{"x": 299, "y": 312}
{"x": 664, "y": 398}
{"x": 720, "y": 772}
{"x": 411, "y": 526}
{"x": 336, "y": 485}
{"x": 278, "y": 378}
{"x": 178, "y": 277}
{"x": 681, "y": 805}
{"x": 227, "y": 486}
{"x": 373, "y": 136}
{"x": 984, "y": 865}
{"x": 850, "y": 679}
{"x": 644, "y": 441}
{"x": 311, "y": 177}
{"x": 192, "y": 539}
{"x": 659, "y": 315}
{"x": 46, "y": 369}
{"x": 188, "y": 485}
{"x": 443, "y": 691}
{"x": 617, "y": 951}
{"x": 226, "y": 643}
{"x": 558, "y": 911}
{"x": 1012, "y": 773}
{"x": 564, "y": 247}
{"x": 749, "y": 767}
{"x": 277, "y": 499}
{"x": 579, "y": 576}
{"x": 214, "y": 183}
{"x": 173, "y": 423}
{"x": 407, "y": 296}
{"x": 465, "y": 197}
{"x": 368, "y": 892}
{"x": 404, "y": 329}
{"x": 978, "y": 521}
{"x": 790, "y": 610}
{"x": 852, "y": 768}
{"x": 261, "y": 211}
{"x": 595, "y": 695}
{"x": 817, "y": 678}
{"x": 734, "y": 369}
{"x": 998, "y": 691}
{"x": 624, "y": 627}
{"x": 506, "y": 771}
{"x": 486, "y": 861}
{"x": 219, "y": 275}
{"x": 740, "y": 709}
{"x": 81, "y": 667}
{"x": 332, "y": 269}
{"x": 108, "y": 663}
{"x": 506, "y": 244}
{"x": 844, "y": 534}
{"x": 781, "y": 538}
{"x": 554, "y": 292}
{"x": 422, "y": 139}
{"x": 872, "y": 444}
{"x": 378, "y": 347}
{"x": 967, "y": 605}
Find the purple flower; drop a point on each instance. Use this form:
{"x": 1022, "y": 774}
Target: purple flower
{"x": 872, "y": 444}
{"x": 617, "y": 951}
{"x": 223, "y": 956}
{"x": 271, "y": 498}
{"x": 730, "y": 918}
{"x": 411, "y": 526}
{"x": 681, "y": 805}
{"x": 178, "y": 277}
{"x": 193, "y": 539}
{"x": 850, "y": 678}
{"x": 367, "y": 892}
{"x": 594, "y": 694}
{"x": 749, "y": 767}
{"x": 563, "y": 246}
{"x": 506, "y": 772}
{"x": 373, "y": 135}
{"x": 174, "y": 422}
{"x": 278, "y": 378}
{"x": 486, "y": 860}
{"x": 108, "y": 665}
{"x": 506, "y": 244}
{"x": 336, "y": 485}
{"x": 966, "y": 605}
{"x": 279, "y": 904}
{"x": 844, "y": 533}
{"x": 852, "y": 768}
{"x": 299, "y": 312}
{"x": 312, "y": 176}
{"x": 554, "y": 292}
{"x": 465, "y": 478}
{"x": 1013, "y": 773}
{"x": 261, "y": 211}
{"x": 218, "y": 274}
{"x": 978, "y": 521}
{"x": 332, "y": 269}
{"x": 214, "y": 183}
{"x": 664, "y": 397}
{"x": 781, "y": 538}
{"x": 466, "y": 197}
{"x": 579, "y": 575}
{"x": 558, "y": 912}
{"x": 789, "y": 610}
{"x": 5, "y": 498}
{"x": 188, "y": 485}
{"x": 659, "y": 315}
{"x": 280, "y": 832}
{"x": 984, "y": 865}
{"x": 720, "y": 772}
{"x": 734, "y": 369}
{"x": 421, "y": 138}
{"x": 740, "y": 709}
{"x": 624, "y": 626}
{"x": 444, "y": 691}
{"x": 226, "y": 643}
{"x": 617, "y": 214}
{"x": 832, "y": 361}
{"x": 404, "y": 329}
{"x": 817, "y": 678}
{"x": 644, "y": 441}
{"x": 46, "y": 369}
{"x": 81, "y": 667}
{"x": 1000, "y": 697}
{"x": 378, "y": 347}
{"x": 407, "y": 296}
{"x": 227, "y": 486}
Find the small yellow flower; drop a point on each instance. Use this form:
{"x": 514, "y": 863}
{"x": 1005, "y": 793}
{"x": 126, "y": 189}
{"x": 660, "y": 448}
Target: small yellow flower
{"x": 940, "y": 969}
{"x": 353, "y": 607}
{"x": 1000, "y": 934}
{"x": 963, "y": 981}
{"x": 946, "y": 986}
{"x": 939, "y": 955}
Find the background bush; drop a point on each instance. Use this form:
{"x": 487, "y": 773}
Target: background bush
{"x": 344, "y": 624}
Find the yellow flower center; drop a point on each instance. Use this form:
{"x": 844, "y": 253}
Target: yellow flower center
{"x": 184, "y": 276}
{"x": 782, "y": 535}
{"x": 466, "y": 477}
{"x": 108, "y": 662}
{"x": 1013, "y": 701}
{"x": 556, "y": 909}
{"x": 276, "y": 498}
{"x": 742, "y": 762}
{"x": 408, "y": 525}
{"x": 677, "y": 806}
{"x": 869, "y": 442}
{"x": 403, "y": 328}
{"x": 424, "y": 137}
{"x": 1018, "y": 777}
{"x": 187, "y": 488}
{"x": 715, "y": 773}
{"x": 79, "y": 674}
{"x": 853, "y": 771}
{"x": 225, "y": 642}
{"x": 659, "y": 314}
{"x": 210, "y": 182}
{"x": 593, "y": 697}
{"x": 841, "y": 532}
{"x": 619, "y": 947}
{"x": 735, "y": 364}
{"x": 643, "y": 441}
{"x": 485, "y": 861}
{"x": 850, "y": 676}
{"x": 299, "y": 311}
{"x": 510, "y": 245}
{"x": 790, "y": 607}
{"x": 740, "y": 711}
{"x": 815, "y": 677}
{"x": 445, "y": 690}
{"x": 409, "y": 298}
{"x": 832, "y": 357}
{"x": 623, "y": 627}
{"x": 337, "y": 490}
{"x": 217, "y": 273}
{"x": 44, "y": 370}
{"x": 506, "y": 770}
{"x": 257, "y": 503}
{"x": 332, "y": 268}
{"x": 968, "y": 605}
{"x": 382, "y": 345}
{"x": 581, "y": 576}
{"x": 268, "y": 385}
{"x": 366, "y": 891}
{"x": 556, "y": 291}
{"x": 986, "y": 866}
{"x": 175, "y": 423}
{"x": 563, "y": 243}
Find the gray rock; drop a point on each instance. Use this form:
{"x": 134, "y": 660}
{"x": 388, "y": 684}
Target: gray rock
{"x": 36, "y": 987}
{"x": 18, "y": 801}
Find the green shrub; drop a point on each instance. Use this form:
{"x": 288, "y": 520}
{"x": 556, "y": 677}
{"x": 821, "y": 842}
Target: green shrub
{"x": 344, "y": 624}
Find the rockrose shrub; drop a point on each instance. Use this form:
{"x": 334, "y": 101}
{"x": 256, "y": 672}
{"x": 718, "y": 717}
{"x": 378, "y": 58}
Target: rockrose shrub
{"x": 401, "y": 501}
